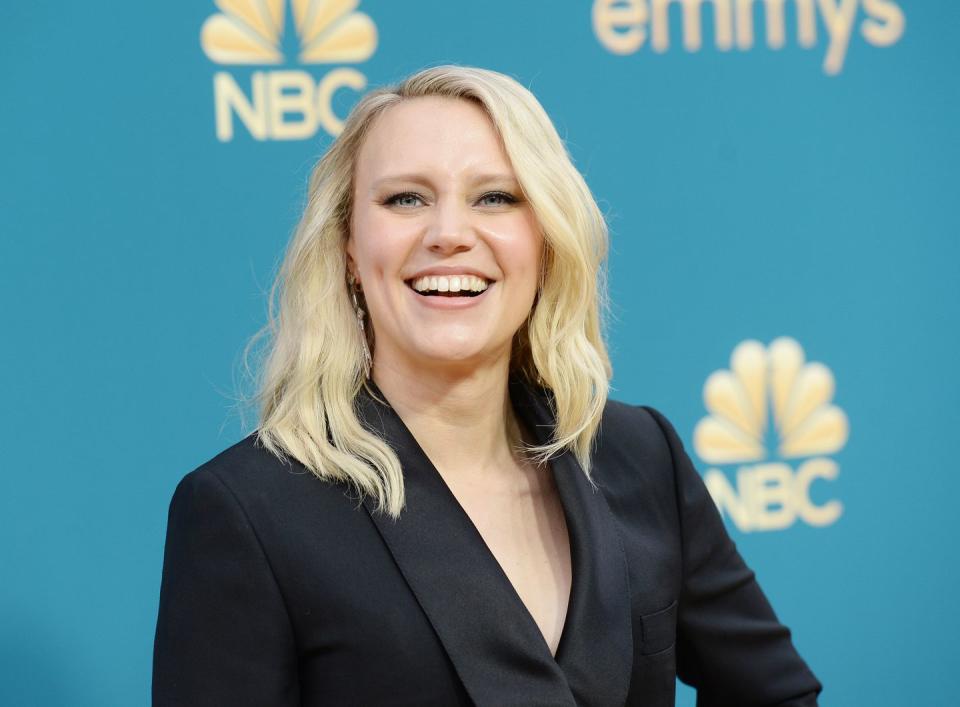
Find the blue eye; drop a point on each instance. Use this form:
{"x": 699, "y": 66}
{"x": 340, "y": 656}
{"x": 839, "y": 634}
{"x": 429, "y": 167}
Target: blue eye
{"x": 503, "y": 196}
{"x": 403, "y": 199}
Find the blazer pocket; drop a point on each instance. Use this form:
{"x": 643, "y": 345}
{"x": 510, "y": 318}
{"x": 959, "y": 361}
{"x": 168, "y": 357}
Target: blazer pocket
{"x": 659, "y": 630}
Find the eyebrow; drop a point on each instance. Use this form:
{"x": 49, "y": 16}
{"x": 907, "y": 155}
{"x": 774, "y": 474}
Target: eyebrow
{"x": 425, "y": 181}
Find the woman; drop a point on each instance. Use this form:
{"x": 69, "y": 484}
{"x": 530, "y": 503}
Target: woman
{"x": 441, "y": 506}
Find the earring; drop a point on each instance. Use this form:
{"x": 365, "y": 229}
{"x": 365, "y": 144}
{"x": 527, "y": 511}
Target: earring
{"x": 367, "y": 359}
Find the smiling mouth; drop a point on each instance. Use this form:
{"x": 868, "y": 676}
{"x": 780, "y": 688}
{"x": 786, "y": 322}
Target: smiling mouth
{"x": 468, "y": 286}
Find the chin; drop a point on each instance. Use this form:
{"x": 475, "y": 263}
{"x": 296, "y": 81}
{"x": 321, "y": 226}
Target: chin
{"x": 453, "y": 355}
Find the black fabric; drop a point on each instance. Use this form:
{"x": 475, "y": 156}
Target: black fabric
{"x": 280, "y": 589}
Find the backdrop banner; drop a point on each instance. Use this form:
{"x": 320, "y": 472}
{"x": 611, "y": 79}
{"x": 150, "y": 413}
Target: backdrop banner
{"x": 780, "y": 180}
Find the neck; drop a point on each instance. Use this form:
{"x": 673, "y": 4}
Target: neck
{"x": 462, "y": 418}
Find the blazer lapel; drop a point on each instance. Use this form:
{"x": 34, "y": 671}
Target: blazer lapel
{"x": 596, "y": 647}
{"x": 493, "y": 642}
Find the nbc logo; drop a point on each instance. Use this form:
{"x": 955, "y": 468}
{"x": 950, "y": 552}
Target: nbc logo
{"x": 285, "y": 104}
{"x": 777, "y": 382}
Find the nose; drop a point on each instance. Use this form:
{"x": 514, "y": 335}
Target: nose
{"x": 450, "y": 230}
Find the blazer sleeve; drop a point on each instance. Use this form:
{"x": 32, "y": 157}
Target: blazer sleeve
{"x": 730, "y": 645}
{"x": 223, "y": 633}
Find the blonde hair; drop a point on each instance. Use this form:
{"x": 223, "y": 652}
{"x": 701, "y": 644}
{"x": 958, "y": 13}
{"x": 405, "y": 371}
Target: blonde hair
{"x": 313, "y": 369}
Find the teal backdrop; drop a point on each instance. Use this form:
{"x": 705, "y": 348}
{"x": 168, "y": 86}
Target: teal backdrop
{"x": 791, "y": 175}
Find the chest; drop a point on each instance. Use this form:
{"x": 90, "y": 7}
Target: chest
{"x": 524, "y": 528}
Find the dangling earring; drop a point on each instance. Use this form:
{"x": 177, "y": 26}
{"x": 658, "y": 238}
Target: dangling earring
{"x": 541, "y": 280}
{"x": 367, "y": 359}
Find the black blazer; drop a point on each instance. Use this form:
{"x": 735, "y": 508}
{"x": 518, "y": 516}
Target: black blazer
{"x": 280, "y": 589}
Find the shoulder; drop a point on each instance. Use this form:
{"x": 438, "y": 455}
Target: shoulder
{"x": 618, "y": 412}
{"x": 640, "y": 431}
{"x": 250, "y": 476}
{"x": 241, "y": 466}
{"x": 635, "y": 454}
{"x": 244, "y": 462}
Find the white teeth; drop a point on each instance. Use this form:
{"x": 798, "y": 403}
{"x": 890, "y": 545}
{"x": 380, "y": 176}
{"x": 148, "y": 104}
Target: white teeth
{"x": 455, "y": 283}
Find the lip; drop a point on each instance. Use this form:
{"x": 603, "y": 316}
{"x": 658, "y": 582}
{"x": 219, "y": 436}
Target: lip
{"x": 447, "y": 271}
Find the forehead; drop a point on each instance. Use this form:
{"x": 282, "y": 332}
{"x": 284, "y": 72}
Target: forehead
{"x": 431, "y": 134}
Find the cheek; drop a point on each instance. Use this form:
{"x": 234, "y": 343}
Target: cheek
{"x": 374, "y": 247}
{"x": 380, "y": 251}
{"x": 529, "y": 253}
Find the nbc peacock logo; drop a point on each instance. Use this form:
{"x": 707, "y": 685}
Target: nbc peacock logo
{"x": 772, "y": 417}
{"x": 285, "y": 104}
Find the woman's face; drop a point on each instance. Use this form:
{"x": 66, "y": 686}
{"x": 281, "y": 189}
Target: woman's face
{"x": 437, "y": 207}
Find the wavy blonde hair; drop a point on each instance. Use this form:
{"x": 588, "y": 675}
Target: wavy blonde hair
{"x": 313, "y": 368}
